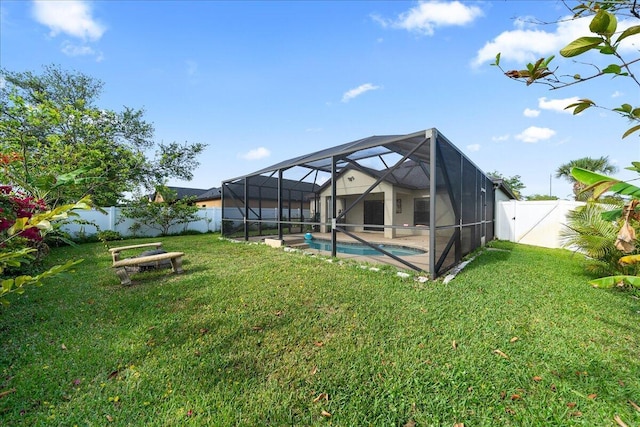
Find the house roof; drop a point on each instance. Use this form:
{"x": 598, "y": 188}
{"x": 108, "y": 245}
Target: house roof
{"x": 182, "y": 192}
{"x": 211, "y": 194}
{"x": 266, "y": 187}
{"x": 500, "y": 184}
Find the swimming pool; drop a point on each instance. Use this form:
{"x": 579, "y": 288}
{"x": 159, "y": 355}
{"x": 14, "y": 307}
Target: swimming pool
{"x": 360, "y": 249}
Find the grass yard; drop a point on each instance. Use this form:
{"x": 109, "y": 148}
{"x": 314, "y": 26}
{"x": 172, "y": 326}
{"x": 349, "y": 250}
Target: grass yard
{"x": 252, "y": 335}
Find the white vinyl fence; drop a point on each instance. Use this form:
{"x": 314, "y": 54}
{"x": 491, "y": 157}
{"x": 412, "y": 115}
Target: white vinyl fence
{"x": 210, "y": 221}
{"x": 535, "y": 223}
{"x": 112, "y": 219}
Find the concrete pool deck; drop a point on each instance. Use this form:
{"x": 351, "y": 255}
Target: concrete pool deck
{"x": 418, "y": 242}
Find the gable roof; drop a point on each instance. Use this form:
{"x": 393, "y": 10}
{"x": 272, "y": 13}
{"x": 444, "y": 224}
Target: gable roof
{"x": 266, "y": 187}
{"x": 211, "y": 194}
{"x": 182, "y": 192}
{"x": 500, "y": 184}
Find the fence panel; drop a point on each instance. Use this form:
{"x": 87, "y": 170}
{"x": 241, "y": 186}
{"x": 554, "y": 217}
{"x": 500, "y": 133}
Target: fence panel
{"x": 112, "y": 219}
{"x": 537, "y": 223}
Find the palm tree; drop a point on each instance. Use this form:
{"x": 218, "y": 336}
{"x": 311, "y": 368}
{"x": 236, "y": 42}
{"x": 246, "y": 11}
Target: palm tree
{"x": 600, "y": 165}
{"x": 587, "y": 232}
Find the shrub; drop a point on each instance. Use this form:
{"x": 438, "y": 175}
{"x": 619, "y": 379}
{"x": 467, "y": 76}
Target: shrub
{"x": 588, "y": 232}
{"x": 161, "y": 216}
{"x": 109, "y": 235}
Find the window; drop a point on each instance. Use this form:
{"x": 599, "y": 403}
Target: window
{"x": 421, "y": 211}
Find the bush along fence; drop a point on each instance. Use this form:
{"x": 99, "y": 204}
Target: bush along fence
{"x": 111, "y": 220}
{"x": 112, "y": 223}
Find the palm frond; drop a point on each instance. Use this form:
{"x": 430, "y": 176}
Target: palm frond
{"x": 589, "y": 233}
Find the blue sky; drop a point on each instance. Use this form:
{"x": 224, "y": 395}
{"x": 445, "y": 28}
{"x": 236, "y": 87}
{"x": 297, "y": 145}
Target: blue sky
{"x": 261, "y": 82}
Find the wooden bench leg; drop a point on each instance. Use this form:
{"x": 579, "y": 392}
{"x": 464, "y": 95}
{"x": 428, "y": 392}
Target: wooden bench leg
{"x": 176, "y": 264}
{"x": 123, "y": 275}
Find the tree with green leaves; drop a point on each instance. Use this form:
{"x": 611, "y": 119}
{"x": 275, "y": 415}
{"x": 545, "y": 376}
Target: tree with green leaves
{"x": 600, "y": 165}
{"x": 534, "y": 197}
{"x": 513, "y": 182}
{"x": 161, "y": 216}
{"x": 54, "y": 122}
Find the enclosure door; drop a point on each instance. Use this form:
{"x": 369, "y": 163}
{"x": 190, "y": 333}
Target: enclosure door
{"x": 373, "y": 214}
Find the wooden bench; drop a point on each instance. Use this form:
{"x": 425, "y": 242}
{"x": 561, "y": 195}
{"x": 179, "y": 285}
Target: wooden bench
{"x": 115, "y": 252}
{"x": 121, "y": 270}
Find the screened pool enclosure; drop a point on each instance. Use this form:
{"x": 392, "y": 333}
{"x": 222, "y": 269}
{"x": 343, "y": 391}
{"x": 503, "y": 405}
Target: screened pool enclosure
{"x": 416, "y": 192}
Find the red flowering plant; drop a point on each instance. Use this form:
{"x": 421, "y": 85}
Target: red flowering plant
{"x": 23, "y": 220}
{"x": 17, "y": 204}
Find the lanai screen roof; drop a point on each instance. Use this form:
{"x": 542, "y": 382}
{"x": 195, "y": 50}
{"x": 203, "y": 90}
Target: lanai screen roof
{"x": 448, "y": 199}
{"x": 373, "y": 146}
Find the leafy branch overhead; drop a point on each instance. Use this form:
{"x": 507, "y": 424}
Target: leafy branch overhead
{"x": 606, "y": 40}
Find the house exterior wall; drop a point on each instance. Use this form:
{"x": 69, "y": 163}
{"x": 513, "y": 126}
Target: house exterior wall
{"x": 350, "y": 186}
{"x": 214, "y": 203}
{"x": 501, "y": 196}
{"x": 398, "y": 204}
{"x": 403, "y": 209}
{"x": 354, "y": 182}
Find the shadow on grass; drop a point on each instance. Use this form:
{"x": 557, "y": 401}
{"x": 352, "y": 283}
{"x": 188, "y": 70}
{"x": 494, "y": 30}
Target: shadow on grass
{"x": 485, "y": 256}
{"x": 577, "y": 383}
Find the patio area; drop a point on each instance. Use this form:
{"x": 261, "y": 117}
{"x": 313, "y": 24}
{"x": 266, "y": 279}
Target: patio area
{"x": 297, "y": 241}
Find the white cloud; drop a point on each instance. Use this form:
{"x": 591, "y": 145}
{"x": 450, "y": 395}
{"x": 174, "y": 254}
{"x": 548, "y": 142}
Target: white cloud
{"x": 71, "y": 49}
{"x": 535, "y": 134}
{"x": 473, "y": 147}
{"x": 255, "y": 154}
{"x": 529, "y": 43}
{"x": 519, "y": 46}
{"x": 70, "y": 17}
{"x": 352, "y": 93}
{"x": 528, "y": 112}
{"x": 557, "y": 105}
{"x": 616, "y": 94}
{"x": 428, "y": 15}
{"x": 500, "y": 138}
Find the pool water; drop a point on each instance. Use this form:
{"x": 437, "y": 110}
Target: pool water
{"x": 360, "y": 249}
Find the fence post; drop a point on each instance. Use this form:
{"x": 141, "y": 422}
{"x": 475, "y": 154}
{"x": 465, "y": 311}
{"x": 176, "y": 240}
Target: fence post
{"x": 112, "y": 218}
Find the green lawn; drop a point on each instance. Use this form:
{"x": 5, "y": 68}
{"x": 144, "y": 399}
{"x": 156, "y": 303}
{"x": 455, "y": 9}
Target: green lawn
{"x": 250, "y": 335}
